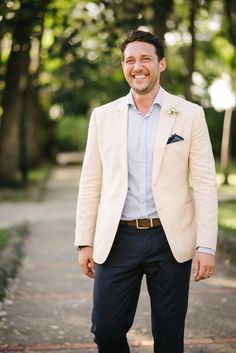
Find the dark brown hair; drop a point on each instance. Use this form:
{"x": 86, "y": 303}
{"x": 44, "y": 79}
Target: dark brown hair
{"x": 142, "y": 36}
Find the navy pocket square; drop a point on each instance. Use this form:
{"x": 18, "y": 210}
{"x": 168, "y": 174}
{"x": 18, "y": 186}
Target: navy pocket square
{"x": 174, "y": 138}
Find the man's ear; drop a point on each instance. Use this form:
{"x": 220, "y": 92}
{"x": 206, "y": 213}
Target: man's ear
{"x": 162, "y": 64}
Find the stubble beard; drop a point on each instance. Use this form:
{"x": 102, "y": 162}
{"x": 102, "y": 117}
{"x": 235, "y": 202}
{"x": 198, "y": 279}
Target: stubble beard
{"x": 147, "y": 89}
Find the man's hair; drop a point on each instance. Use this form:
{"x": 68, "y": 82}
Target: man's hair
{"x": 143, "y": 36}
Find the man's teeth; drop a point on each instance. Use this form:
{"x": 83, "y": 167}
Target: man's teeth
{"x": 140, "y": 76}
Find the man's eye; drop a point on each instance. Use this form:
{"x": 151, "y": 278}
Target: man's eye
{"x": 146, "y": 59}
{"x": 129, "y": 61}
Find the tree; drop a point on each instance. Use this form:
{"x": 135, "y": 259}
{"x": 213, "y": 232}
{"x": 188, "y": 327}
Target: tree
{"x": 13, "y": 130}
{"x": 193, "y": 6}
{"x": 161, "y": 11}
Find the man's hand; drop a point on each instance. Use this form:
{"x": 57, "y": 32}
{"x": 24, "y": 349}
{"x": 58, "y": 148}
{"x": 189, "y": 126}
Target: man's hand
{"x": 203, "y": 266}
{"x": 85, "y": 259}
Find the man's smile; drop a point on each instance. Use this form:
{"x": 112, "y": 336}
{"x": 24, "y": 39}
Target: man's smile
{"x": 139, "y": 77}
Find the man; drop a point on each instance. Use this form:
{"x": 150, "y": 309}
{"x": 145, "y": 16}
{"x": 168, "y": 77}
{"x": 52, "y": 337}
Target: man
{"x": 137, "y": 213}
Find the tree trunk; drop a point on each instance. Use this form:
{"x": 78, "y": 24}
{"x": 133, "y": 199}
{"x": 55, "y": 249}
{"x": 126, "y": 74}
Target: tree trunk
{"x": 16, "y": 81}
{"x": 225, "y": 145}
{"x": 161, "y": 12}
{"x": 32, "y": 103}
{"x": 192, "y": 49}
{"x": 32, "y": 115}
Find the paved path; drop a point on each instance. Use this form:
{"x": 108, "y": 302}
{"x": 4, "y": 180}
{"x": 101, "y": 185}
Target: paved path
{"x": 48, "y": 305}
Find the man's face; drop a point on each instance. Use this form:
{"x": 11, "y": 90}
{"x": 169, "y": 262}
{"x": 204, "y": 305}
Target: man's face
{"x": 141, "y": 67}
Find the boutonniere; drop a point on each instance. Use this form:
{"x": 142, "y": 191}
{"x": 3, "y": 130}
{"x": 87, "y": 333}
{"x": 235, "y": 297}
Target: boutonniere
{"x": 173, "y": 110}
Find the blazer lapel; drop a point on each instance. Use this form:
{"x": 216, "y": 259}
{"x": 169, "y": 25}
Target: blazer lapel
{"x": 164, "y": 129}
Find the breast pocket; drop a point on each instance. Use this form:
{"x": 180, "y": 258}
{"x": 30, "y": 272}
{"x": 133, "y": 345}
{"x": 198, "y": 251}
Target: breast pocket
{"x": 176, "y": 154}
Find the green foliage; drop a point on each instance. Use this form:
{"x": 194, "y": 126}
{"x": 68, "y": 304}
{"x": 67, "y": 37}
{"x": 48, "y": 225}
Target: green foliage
{"x": 80, "y": 59}
{"x": 227, "y": 209}
{"x": 227, "y": 219}
{"x": 71, "y": 133}
{"x": 4, "y": 238}
{"x": 40, "y": 174}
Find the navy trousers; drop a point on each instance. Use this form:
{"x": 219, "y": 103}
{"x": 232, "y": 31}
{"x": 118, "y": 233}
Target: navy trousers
{"x": 117, "y": 284}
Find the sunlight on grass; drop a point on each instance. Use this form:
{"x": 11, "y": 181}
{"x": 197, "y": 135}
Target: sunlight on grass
{"x": 232, "y": 166}
{"x": 227, "y": 189}
{"x": 227, "y": 216}
{"x": 232, "y": 179}
{"x": 227, "y": 209}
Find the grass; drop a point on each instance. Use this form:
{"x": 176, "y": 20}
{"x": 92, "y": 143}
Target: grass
{"x": 231, "y": 188}
{"x": 39, "y": 175}
{"x": 232, "y": 166}
{"x": 227, "y": 193}
{"x": 34, "y": 189}
{"x": 227, "y": 216}
{"x": 4, "y": 237}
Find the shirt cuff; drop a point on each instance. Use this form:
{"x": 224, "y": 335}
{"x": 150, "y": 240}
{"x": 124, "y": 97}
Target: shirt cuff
{"x": 206, "y": 250}
{"x": 83, "y": 246}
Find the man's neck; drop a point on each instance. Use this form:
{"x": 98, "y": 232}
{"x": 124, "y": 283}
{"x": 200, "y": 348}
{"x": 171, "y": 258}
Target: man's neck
{"x": 143, "y": 102}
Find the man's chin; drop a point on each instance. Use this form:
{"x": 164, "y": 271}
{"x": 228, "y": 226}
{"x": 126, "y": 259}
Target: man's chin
{"x": 141, "y": 91}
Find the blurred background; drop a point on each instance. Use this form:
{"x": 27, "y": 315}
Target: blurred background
{"x": 59, "y": 59}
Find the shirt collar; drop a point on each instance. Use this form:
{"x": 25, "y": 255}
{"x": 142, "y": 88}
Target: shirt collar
{"x": 157, "y": 99}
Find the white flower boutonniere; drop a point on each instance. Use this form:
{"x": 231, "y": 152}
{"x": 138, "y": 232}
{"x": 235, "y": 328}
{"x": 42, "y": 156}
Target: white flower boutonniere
{"x": 173, "y": 110}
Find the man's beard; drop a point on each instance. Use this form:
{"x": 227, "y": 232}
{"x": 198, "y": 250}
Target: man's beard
{"x": 146, "y": 89}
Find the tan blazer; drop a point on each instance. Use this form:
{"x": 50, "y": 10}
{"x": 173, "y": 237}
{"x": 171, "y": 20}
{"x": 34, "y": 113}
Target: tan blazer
{"x": 188, "y": 212}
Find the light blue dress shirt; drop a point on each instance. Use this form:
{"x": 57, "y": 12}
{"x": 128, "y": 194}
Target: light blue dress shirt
{"x": 142, "y": 130}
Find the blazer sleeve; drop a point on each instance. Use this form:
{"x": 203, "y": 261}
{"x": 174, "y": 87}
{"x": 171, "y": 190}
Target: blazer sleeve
{"x": 203, "y": 178}
{"x": 89, "y": 188}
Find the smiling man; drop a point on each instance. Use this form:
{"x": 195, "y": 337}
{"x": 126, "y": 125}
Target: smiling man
{"x": 142, "y": 67}
{"x": 137, "y": 214}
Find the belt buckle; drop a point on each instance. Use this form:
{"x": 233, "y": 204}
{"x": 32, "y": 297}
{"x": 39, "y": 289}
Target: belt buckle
{"x": 138, "y": 227}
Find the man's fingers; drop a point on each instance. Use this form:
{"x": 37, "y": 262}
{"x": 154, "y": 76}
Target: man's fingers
{"x": 203, "y": 266}
{"x": 201, "y": 273}
{"x": 210, "y": 271}
{"x": 87, "y": 268}
{"x": 92, "y": 265}
{"x": 85, "y": 259}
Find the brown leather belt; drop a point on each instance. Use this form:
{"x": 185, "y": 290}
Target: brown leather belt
{"x": 143, "y": 223}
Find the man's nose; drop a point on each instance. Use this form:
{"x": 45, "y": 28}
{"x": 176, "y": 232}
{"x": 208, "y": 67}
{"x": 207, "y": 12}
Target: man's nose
{"x": 137, "y": 66}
